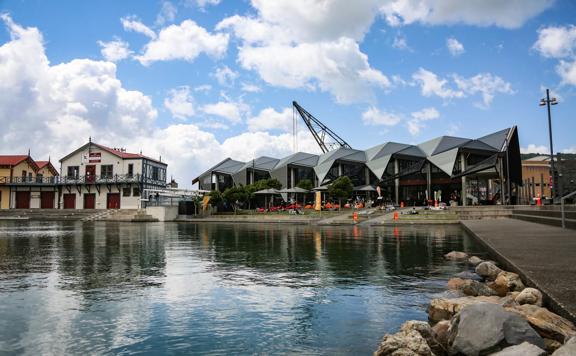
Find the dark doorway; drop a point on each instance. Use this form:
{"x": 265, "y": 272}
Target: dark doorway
{"x": 22, "y": 200}
{"x": 113, "y": 201}
{"x": 47, "y": 200}
{"x": 90, "y": 174}
{"x": 90, "y": 201}
{"x": 69, "y": 201}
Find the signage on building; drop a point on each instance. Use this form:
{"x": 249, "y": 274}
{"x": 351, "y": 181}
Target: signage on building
{"x": 95, "y": 157}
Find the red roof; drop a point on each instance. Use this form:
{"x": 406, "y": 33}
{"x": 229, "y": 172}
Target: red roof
{"x": 123, "y": 154}
{"x": 12, "y": 160}
{"x": 42, "y": 164}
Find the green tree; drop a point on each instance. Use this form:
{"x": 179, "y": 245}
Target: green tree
{"x": 215, "y": 198}
{"x": 236, "y": 196}
{"x": 273, "y": 183}
{"x": 305, "y": 184}
{"x": 341, "y": 188}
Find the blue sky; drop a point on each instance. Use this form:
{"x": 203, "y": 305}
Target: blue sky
{"x": 198, "y": 80}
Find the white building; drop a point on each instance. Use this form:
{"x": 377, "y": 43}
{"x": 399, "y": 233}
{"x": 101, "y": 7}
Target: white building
{"x": 99, "y": 177}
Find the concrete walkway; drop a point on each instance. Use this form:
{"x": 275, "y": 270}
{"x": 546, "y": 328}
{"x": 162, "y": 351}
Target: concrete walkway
{"x": 544, "y": 256}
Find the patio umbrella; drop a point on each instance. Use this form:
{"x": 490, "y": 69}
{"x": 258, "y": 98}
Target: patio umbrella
{"x": 295, "y": 191}
{"x": 266, "y": 193}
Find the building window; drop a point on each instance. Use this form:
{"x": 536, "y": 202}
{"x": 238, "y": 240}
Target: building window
{"x": 106, "y": 170}
{"x": 39, "y": 177}
{"x": 155, "y": 173}
{"x": 73, "y": 172}
{"x": 126, "y": 192}
{"x": 130, "y": 169}
{"x": 136, "y": 192}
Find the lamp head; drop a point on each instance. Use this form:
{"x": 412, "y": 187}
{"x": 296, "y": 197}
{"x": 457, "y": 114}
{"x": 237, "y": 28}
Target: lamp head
{"x": 553, "y": 101}
{"x": 542, "y": 102}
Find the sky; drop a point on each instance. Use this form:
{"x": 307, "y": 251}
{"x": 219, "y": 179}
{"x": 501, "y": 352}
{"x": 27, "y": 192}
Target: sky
{"x": 196, "y": 81}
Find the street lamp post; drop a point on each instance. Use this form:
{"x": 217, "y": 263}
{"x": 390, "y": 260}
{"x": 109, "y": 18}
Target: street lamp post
{"x": 550, "y": 101}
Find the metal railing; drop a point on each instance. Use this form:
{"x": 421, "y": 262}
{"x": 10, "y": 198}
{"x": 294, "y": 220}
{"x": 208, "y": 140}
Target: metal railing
{"x": 563, "y": 214}
{"x": 80, "y": 180}
{"x": 29, "y": 180}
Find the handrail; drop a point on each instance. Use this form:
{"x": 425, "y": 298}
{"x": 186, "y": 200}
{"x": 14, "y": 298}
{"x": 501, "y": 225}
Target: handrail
{"x": 562, "y": 207}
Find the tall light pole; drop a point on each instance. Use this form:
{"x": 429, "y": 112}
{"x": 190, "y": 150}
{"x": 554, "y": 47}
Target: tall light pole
{"x": 550, "y": 101}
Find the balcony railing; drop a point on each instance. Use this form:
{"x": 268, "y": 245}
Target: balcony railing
{"x": 80, "y": 180}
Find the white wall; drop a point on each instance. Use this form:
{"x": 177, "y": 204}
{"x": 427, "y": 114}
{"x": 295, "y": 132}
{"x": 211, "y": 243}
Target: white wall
{"x": 120, "y": 165}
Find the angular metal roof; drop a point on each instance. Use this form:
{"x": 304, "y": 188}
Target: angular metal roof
{"x": 496, "y": 139}
{"x": 262, "y": 163}
{"x": 326, "y": 160}
{"x": 445, "y": 160}
{"x": 299, "y": 159}
{"x": 228, "y": 166}
{"x": 441, "y": 144}
{"x": 478, "y": 145}
{"x": 378, "y": 166}
{"x": 384, "y": 149}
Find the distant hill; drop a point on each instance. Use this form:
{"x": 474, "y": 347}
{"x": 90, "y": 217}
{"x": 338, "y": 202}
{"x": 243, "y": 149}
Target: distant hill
{"x": 530, "y": 155}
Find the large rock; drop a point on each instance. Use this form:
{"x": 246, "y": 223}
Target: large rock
{"x": 456, "y": 256}
{"x": 440, "y": 332}
{"x": 425, "y": 330}
{"x": 508, "y": 281}
{"x": 475, "y": 288}
{"x": 474, "y": 261}
{"x": 404, "y": 343}
{"x": 444, "y": 309}
{"x": 569, "y": 348}
{"x": 484, "y": 328}
{"x": 455, "y": 283}
{"x": 529, "y": 296}
{"x": 546, "y": 323}
{"x": 468, "y": 275}
{"x": 524, "y": 349}
{"x": 488, "y": 270}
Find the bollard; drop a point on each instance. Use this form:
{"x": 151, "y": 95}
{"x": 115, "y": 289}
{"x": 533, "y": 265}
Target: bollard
{"x": 435, "y": 203}
{"x": 538, "y": 200}
{"x": 401, "y": 204}
{"x": 395, "y": 215}
{"x": 355, "y": 216}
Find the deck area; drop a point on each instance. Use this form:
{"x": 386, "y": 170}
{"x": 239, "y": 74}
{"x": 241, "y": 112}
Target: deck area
{"x": 543, "y": 255}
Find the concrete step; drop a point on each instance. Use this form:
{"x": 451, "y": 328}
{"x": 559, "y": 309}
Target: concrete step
{"x": 570, "y": 223}
{"x": 546, "y": 213}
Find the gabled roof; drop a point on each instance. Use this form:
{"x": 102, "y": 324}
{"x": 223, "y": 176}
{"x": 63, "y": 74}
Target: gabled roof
{"x": 262, "y": 163}
{"x": 12, "y": 160}
{"x": 227, "y": 166}
{"x": 441, "y": 144}
{"x": 326, "y": 161}
{"x": 445, "y": 160}
{"x": 117, "y": 153}
{"x": 299, "y": 159}
{"x": 48, "y": 165}
{"x": 384, "y": 149}
{"x": 496, "y": 139}
{"x": 478, "y": 145}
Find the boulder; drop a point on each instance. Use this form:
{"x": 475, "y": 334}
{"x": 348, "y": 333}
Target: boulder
{"x": 524, "y": 349}
{"x": 488, "y": 270}
{"x": 425, "y": 330}
{"x": 456, "y": 256}
{"x": 474, "y": 261}
{"x": 552, "y": 345}
{"x": 440, "y": 332}
{"x": 475, "y": 288}
{"x": 444, "y": 309}
{"x": 568, "y": 349}
{"x": 455, "y": 283}
{"x": 510, "y": 281}
{"x": 468, "y": 275}
{"x": 500, "y": 289}
{"x": 404, "y": 343}
{"x": 546, "y": 323}
{"x": 484, "y": 328}
{"x": 529, "y": 296}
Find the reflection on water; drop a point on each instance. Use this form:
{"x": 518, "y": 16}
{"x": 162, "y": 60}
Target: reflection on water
{"x": 215, "y": 289}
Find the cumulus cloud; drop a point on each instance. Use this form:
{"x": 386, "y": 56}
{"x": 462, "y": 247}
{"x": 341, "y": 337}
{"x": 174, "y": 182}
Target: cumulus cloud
{"x": 131, "y": 23}
{"x": 532, "y": 148}
{"x": 251, "y": 88}
{"x": 400, "y": 43}
{"x": 486, "y": 84}
{"x": 454, "y": 46}
{"x": 567, "y": 71}
{"x": 180, "y": 103}
{"x": 183, "y": 42}
{"x": 231, "y": 111}
{"x": 417, "y": 122}
{"x": 115, "y": 50}
{"x": 203, "y": 3}
{"x": 225, "y": 76}
{"x": 270, "y": 119}
{"x": 167, "y": 13}
{"x": 506, "y": 14}
{"x": 373, "y": 116}
{"x": 560, "y": 43}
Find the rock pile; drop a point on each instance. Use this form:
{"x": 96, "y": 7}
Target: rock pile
{"x": 494, "y": 314}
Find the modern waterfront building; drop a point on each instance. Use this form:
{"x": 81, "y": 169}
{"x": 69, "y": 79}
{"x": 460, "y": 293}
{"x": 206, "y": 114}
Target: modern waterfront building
{"x": 98, "y": 177}
{"x": 473, "y": 171}
{"x": 27, "y": 184}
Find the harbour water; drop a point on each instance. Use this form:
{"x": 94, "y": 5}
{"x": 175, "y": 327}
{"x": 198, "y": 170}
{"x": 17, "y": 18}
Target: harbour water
{"x": 125, "y": 288}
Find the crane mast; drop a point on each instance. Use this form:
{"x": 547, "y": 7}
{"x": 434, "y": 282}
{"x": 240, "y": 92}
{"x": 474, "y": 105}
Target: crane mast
{"x": 327, "y": 139}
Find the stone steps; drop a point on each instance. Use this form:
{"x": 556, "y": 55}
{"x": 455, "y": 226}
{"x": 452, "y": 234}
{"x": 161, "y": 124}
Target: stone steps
{"x": 553, "y": 221}
{"x": 546, "y": 213}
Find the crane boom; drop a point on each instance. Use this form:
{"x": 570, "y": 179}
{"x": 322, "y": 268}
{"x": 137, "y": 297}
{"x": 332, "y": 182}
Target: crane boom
{"x": 321, "y": 131}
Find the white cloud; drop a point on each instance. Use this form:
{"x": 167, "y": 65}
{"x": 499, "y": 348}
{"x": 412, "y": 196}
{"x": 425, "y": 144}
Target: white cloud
{"x": 373, "y": 116}
{"x": 131, "y": 23}
{"x": 532, "y": 148}
{"x": 183, "y": 42}
{"x": 270, "y": 119}
{"x": 416, "y": 124}
{"x": 454, "y": 46}
{"x": 567, "y": 71}
{"x": 203, "y": 3}
{"x": 486, "y": 84}
{"x": 336, "y": 67}
{"x": 228, "y": 110}
{"x": 167, "y": 13}
{"x": 569, "y": 150}
{"x": 400, "y": 43}
{"x": 225, "y": 76}
{"x": 556, "y": 42}
{"x": 115, "y": 51}
{"x": 431, "y": 85}
{"x": 506, "y": 14}
{"x": 204, "y": 88}
{"x": 180, "y": 103}
{"x": 251, "y": 88}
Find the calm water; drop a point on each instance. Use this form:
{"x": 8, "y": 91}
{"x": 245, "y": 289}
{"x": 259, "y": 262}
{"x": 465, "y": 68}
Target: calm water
{"x": 121, "y": 288}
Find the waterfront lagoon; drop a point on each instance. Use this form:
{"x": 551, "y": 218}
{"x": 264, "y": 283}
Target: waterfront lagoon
{"x": 108, "y": 287}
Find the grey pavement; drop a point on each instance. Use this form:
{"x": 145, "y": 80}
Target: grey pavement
{"x": 543, "y": 255}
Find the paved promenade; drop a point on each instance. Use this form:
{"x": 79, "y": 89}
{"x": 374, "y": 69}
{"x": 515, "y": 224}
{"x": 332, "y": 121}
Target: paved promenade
{"x": 543, "y": 255}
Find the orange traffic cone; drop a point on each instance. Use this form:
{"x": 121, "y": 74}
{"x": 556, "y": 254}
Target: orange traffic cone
{"x": 395, "y": 215}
